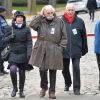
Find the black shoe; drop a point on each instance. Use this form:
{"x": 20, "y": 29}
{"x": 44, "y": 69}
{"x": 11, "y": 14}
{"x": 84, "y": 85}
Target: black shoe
{"x": 1, "y": 73}
{"x": 4, "y": 72}
{"x": 99, "y": 87}
{"x": 66, "y": 88}
{"x": 92, "y": 20}
{"x": 22, "y": 95}
{"x": 13, "y": 94}
{"x": 77, "y": 92}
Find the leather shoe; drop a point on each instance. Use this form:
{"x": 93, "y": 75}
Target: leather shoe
{"x": 42, "y": 92}
{"x": 99, "y": 87}
{"x": 13, "y": 94}
{"x": 1, "y": 73}
{"x": 66, "y": 88}
{"x": 77, "y": 92}
{"x": 52, "y": 95}
{"x": 21, "y": 94}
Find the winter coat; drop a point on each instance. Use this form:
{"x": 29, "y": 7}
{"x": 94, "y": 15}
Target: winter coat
{"x": 77, "y": 39}
{"x": 92, "y": 4}
{"x": 20, "y": 44}
{"x": 3, "y": 27}
{"x": 97, "y": 38}
{"x": 50, "y": 42}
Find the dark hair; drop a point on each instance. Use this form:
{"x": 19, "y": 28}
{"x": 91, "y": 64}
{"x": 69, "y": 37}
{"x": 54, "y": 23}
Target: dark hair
{"x": 2, "y": 9}
{"x": 19, "y": 13}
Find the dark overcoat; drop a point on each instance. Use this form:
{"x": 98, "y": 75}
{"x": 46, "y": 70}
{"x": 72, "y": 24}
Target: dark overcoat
{"x": 20, "y": 45}
{"x": 92, "y": 4}
{"x": 77, "y": 38}
{"x": 51, "y": 40}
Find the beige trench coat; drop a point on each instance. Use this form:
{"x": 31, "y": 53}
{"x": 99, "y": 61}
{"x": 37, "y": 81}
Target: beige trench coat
{"x": 52, "y": 38}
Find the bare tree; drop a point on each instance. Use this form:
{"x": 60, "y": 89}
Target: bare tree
{"x": 32, "y": 7}
{"x": 8, "y": 5}
{"x": 53, "y": 2}
{"x": 2, "y": 2}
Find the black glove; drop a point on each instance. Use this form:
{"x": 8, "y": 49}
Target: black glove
{"x": 12, "y": 36}
{"x": 28, "y": 58}
{"x": 29, "y": 66}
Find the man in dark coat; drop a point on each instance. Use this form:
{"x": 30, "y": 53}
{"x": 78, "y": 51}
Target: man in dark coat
{"x": 92, "y": 6}
{"x": 3, "y": 27}
{"x": 76, "y": 47}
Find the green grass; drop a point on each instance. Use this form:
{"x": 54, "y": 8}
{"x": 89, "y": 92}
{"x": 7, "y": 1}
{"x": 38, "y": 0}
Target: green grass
{"x": 38, "y": 7}
{"x": 21, "y": 8}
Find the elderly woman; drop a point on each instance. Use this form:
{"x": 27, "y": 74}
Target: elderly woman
{"x": 20, "y": 43}
{"x": 48, "y": 49}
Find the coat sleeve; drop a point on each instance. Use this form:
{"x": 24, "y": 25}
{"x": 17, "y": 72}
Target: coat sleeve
{"x": 36, "y": 23}
{"x": 29, "y": 43}
{"x": 8, "y": 37}
{"x": 84, "y": 40}
{"x": 63, "y": 42}
{"x": 95, "y": 4}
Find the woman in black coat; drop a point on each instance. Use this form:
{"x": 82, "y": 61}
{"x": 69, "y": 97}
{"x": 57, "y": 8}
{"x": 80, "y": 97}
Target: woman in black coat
{"x": 92, "y": 6}
{"x": 20, "y": 43}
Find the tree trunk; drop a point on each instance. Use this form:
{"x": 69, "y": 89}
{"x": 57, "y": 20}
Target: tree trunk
{"x": 8, "y": 5}
{"x": 53, "y": 2}
{"x": 32, "y": 7}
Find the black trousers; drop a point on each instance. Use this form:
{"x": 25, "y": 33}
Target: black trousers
{"x": 98, "y": 62}
{"x": 44, "y": 79}
{"x": 91, "y": 13}
{"x": 76, "y": 72}
{"x": 1, "y": 62}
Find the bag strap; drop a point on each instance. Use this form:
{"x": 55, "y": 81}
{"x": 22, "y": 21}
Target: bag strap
{"x": 12, "y": 31}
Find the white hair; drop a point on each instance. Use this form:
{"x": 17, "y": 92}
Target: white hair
{"x": 70, "y": 5}
{"x": 49, "y": 7}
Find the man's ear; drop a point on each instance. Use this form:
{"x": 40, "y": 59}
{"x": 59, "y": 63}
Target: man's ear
{"x": 54, "y": 14}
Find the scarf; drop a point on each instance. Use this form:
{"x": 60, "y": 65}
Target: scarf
{"x": 19, "y": 25}
{"x": 69, "y": 19}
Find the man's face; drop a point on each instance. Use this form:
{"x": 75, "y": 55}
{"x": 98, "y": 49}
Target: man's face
{"x": 70, "y": 10}
{"x": 49, "y": 14}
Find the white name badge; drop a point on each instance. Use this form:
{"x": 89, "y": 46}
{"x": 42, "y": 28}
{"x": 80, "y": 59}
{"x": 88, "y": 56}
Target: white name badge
{"x": 52, "y": 31}
{"x": 74, "y": 31}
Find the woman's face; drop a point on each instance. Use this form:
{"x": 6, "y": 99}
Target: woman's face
{"x": 19, "y": 19}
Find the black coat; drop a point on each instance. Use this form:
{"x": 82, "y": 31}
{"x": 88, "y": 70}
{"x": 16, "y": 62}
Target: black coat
{"x": 77, "y": 39}
{"x": 3, "y": 27}
{"x": 92, "y": 4}
{"x": 20, "y": 44}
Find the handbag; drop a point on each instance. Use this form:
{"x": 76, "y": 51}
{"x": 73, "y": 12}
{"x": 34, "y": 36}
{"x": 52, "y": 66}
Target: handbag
{"x": 6, "y": 51}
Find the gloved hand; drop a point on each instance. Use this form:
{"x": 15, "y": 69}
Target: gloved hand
{"x": 28, "y": 58}
{"x": 12, "y": 36}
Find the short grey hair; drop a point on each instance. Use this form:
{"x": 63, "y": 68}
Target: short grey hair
{"x": 70, "y": 5}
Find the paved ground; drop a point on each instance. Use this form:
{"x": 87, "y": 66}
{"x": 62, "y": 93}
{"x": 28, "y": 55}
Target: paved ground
{"x": 89, "y": 76}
